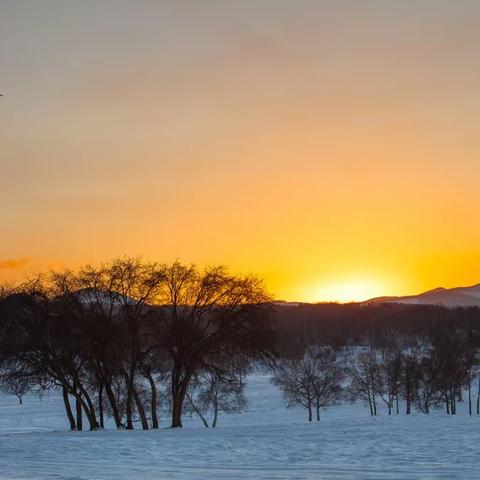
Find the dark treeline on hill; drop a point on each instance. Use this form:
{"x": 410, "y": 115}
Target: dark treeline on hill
{"x": 298, "y": 326}
{"x": 128, "y": 340}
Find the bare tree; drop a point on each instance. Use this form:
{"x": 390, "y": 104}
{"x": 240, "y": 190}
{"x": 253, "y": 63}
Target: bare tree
{"x": 390, "y": 371}
{"x": 427, "y": 393}
{"x": 45, "y": 339}
{"x": 14, "y": 381}
{"x": 313, "y": 381}
{"x": 207, "y": 314}
{"x": 122, "y": 295}
{"x": 365, "y": 378}
{"x": 215, "y": 393}
{"x": 409, "y": 372}
{"x": 454, "y": 359}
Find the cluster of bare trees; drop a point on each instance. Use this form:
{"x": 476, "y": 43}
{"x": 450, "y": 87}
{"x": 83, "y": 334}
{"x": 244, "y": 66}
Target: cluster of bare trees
{"x": 425, "y": 372}
{"x": 119, "y": 339}
{"x": 416, "y": 371}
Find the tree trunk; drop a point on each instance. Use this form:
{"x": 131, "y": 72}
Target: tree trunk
{"x": 89, "y": 410}
{"x": 447, "y": 404}
{"x": 179, "y": 389}
{"x": 153, "y": 401}
{"x": 197, "y": 410}
{"x": 141, "y": 409}
{"x": 20, "y": 399}
{"x": 478, "y": 397}
{"x": 469, "y": 394}
{"x": 215, "y": 415}
{"x": 203, "y": 419}
{"x": 113, "y": 405}
{"x": 374, "y": 403}
{"x": 100, "y": 406}
{"x": 92, "y": 420}
{"x": 370, "y": 403}
{"x": 309, "y": 413}
{"x": 407, "y": 392}
{"x": 177, "y": 410}
{"x": 129, "y": 385}
{"x": 87, "y": 405}
{"x": 68, "y": 409}
{"x": 318, "y": 411}
{"x": 78, "y": 405}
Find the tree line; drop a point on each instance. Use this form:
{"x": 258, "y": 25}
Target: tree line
{"x": 424, "y": 372}
{"x": 345, "y": 324}
{"x": 108, "y": 336}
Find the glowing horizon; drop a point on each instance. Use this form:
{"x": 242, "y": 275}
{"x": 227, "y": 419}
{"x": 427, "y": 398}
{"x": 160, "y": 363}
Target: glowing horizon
{"x": 330, "y": 147}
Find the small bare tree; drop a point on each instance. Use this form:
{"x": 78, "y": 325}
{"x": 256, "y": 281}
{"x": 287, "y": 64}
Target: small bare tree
{"x": 313, "y": 381}
{"x": 215, "y": 393}
{"x": 390, "y": 371}
{"x": 411, "y": 354}
{"x": 14, "y": 381}
{"x": 427, "y": 393}
{"x": 365, "y": 378}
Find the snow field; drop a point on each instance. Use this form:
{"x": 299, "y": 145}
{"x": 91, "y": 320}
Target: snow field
{"x": 267, "y": 442}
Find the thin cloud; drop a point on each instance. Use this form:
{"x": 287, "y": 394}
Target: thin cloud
{"x": 13, "y": 263}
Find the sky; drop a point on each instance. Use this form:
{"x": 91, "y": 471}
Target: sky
{"x": 331, "y": 147}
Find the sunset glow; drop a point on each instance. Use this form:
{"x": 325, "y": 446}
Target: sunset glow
{"x": 330, "y": 147}
{"x": 348, "y": 291}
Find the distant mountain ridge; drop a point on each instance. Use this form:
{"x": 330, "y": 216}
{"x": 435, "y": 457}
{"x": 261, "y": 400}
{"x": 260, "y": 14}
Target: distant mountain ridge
{"x": 449, "y": 297}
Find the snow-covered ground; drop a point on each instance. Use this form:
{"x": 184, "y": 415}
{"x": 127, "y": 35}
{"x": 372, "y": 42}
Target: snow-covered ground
{"x": 267, "y": 442}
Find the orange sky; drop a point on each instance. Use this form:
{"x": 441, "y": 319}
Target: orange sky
{"x": 332, "y": 147}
